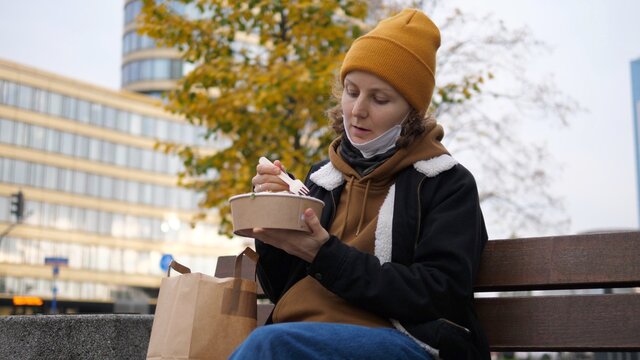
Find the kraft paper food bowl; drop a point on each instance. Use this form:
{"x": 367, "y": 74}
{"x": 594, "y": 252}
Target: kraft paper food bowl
{"x": 271, "y": 210}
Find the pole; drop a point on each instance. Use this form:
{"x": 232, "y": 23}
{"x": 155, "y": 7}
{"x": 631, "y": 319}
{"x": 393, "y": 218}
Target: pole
{"x": 54, "y": 289}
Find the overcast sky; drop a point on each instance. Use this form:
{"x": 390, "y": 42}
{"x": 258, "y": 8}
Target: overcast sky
{"x": 593, "y": 43}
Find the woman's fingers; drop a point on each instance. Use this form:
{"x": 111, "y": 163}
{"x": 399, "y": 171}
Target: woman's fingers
{"x": 274, "y": 185}
{"x": 264, "y": 169}
{"x": 279, "y": 165}
{"x": 267, "y": 178}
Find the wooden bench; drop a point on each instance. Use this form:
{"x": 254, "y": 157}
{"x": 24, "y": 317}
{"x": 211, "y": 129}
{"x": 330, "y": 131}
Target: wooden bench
{"x": 597, "y": 307}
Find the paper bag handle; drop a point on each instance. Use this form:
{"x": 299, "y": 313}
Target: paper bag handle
{"x": 237, "y": 271}
{"x": 177, "y": 267}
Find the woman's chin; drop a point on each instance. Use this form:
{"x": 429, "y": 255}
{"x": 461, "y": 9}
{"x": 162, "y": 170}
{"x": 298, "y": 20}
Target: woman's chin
{"x": 359, "y": 138}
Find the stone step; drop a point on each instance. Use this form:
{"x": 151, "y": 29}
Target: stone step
{"x": 99, "y": 336}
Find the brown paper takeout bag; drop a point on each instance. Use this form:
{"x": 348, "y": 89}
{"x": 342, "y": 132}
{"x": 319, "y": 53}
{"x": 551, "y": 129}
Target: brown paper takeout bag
{"x": 202, "y": 317}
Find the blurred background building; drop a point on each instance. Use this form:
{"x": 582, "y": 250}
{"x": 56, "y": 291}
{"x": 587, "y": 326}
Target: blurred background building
{"x": 635, "y": 93}
{"x": 147, "y": 68}
{"x": 99, "y": 200}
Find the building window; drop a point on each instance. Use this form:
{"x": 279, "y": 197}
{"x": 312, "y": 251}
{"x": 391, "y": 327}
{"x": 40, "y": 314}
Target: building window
{"x": 109, "y": 117}
{"x": 4, "y": 207}
{"x": 108, "y": 150}
{"x": 152, "y": 69}
{"x": 94, "y": 149}
{"x": 20, "y": 173}
{"x": 40, "y": 100}
{"x": 123, "y": 121}
{"x": 36, "y": 175}
{"x": 6, "y": 131}
{"x": 121, "y": 155}
{"x": 66, "y": 146}
{"x": 80, "y": 182}
{"x": 135, "y": 123}
{"x": 96, "y": 114}
{"x": 82, "y": 145}
{"x": 38, "y": 138}
{"x": 10, "y": 94}
{"x": 84, "y": 111}
{"x": 69, "y": 107}
{"x": 50, "y": 177}
{"x": 6, "y": 170}
{"x": 19, "y": 134}
{"x": 131, "y": 10}
{"x": 25, "y": 97}
{"x": 106, "y": 187}
{"x": 55, "y": 104}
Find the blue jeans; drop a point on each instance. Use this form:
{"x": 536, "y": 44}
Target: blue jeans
{"x": 314, "y": 340}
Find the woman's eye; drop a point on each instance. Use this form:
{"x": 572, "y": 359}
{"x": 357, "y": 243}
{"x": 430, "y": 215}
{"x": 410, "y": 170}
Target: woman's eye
{"x": 381, "y": 101}
{"x": 352, "y": 93}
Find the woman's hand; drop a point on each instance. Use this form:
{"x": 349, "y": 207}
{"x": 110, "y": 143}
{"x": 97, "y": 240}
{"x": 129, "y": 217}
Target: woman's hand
{"x": 267, "y": 178}
{"x": 297, "y": 243}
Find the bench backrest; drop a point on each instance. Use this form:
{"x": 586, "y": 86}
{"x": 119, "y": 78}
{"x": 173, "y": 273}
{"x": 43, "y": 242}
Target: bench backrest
{"x": 566, "y": 320}
{"x": 603, "y": 320}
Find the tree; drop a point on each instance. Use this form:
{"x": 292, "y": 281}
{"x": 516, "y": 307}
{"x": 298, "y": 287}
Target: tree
{"x": 268, "y": 97}
{"x": 484, "y": 95}
{"x": 263, "y": 78}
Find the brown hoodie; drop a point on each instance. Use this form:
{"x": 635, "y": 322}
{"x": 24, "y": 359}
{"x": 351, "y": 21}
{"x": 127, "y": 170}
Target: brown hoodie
{"x": 355, "y": 224}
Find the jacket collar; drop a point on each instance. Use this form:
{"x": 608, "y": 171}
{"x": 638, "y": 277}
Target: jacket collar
{"x": 329, "y": 178}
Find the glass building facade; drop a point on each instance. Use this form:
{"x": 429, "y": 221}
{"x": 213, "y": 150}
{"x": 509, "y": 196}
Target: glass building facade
{"x": 635, "y": 93}
{"x": 96, "y": 190}
{"x": 147, "y": 68}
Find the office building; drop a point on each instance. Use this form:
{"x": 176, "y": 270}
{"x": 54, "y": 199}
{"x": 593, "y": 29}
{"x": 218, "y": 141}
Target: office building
{"x": 96, "y": 193}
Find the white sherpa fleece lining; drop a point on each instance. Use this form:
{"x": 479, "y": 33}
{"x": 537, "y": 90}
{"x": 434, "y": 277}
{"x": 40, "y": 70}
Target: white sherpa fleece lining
{"x": 435, "y": 166}
{"x": 384, "y": 228}
{"x": 327, "y": 177}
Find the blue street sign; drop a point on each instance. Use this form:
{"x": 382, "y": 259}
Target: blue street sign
{"x": 56, "y": 260}
{"x": 165, "y": 261}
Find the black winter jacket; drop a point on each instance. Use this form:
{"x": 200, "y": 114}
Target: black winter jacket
{"x": 421, "y": 275}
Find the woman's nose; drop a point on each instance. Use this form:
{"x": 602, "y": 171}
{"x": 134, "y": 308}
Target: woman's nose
{"x": 359, "y": 109}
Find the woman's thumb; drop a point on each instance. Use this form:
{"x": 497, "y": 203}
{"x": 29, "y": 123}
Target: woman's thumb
{"x": 312, "y": 220}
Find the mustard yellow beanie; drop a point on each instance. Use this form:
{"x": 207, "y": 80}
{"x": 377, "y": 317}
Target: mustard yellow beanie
{"x": 402, "y": 51}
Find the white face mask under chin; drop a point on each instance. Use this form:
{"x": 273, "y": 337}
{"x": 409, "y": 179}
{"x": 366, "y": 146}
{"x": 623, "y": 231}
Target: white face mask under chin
{"x": 379, "y": 145}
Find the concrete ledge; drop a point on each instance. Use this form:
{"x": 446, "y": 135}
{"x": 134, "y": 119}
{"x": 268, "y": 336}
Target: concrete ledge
{"x": 105, "y": 336}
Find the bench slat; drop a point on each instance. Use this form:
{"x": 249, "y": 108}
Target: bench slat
{"x": 561, "y": 262}
{"x": 562, "y": 323}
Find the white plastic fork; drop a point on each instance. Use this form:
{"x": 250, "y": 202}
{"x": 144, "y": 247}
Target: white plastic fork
{"x": 295, "y": 186}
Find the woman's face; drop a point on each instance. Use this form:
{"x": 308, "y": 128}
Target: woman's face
{"x": 371, "y": 106}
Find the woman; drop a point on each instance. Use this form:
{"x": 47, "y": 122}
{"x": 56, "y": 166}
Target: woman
{"x": 387, "y": 270}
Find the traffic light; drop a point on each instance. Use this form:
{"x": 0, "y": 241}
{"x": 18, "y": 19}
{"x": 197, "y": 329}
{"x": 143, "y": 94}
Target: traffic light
{"x": 17, "y": 205}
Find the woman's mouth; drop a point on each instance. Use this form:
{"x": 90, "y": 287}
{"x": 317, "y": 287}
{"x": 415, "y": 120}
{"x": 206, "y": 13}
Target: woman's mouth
{"x": 360, "y": 132}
